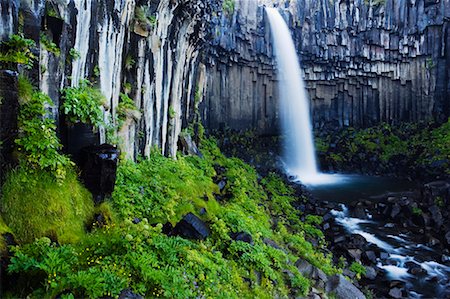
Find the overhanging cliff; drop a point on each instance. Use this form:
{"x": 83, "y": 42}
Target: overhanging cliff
{"x": 148, "y": 49}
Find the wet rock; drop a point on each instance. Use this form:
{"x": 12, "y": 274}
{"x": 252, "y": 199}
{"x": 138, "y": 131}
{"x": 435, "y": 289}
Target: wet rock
{"x": 371, "y": 273}
{"x": 436, "y": 216}
{"x": 304, "y": 267}
{"x": 343, "y": 288}
{"x": 396, "y": 293}
{"x": 271, "y": 243}
{"x": 355, "y": 253}
{"x": 128, "y": 294}
{"x": 98, "y": 169}
{"x": 222, "y": 184}
{"x": 188, "y": 146}
{"x": 447, "y": 237}
{"x": 191, "y": 227}
{"x": 395, "y": 211}
{"x": 243, "y": 237}
{"x": 370, "y": 256}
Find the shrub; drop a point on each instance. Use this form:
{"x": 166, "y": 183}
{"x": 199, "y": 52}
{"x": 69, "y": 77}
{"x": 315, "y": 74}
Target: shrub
{"x": 38, "y": 143}
{"x": 48, "y": 45}
{"x": 228, "y": 6}
{"x": 83, "y": 104}
{"x": 18, "y": 50}
{"x": 358, "y": 269}
{"x": 35, "y": 204}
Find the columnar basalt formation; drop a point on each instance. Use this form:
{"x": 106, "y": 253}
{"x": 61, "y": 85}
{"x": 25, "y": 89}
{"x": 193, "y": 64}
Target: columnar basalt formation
{"x": 155, "y": 60}
{"x": 365, "y": 62}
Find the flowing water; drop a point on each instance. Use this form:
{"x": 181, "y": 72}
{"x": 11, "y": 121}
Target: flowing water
{"x": 299, "y": 153}
{"x": 300, "y": 163}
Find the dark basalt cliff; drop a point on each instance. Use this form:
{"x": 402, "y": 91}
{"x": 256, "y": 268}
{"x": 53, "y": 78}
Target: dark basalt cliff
{"x": 364, "y": 62}
{"x": 157, "y": 63}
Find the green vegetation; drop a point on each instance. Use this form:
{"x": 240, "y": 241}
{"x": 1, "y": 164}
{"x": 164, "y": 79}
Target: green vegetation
{"x": 129, "y": 62}
{"x": 48, "y": 45}
{"x": 74, "y": 54}
{"x": 18, "y": 50}
{"x": 358, "y": 269}
{"x": 228, "y": 6}
{"x": 35, "y": 204}
{"x": 38, "y": 144}
{"x": 83, "y": 104}
{"x": 145, "y": 18}
{"x": 384, "y": 147}
{"x": 417, "y": 211}
{"x": 120, "y": 254}
{"x": 126, "y": 108}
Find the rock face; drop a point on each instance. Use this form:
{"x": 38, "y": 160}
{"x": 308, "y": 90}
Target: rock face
{"x": 364, "y": 62}
{"x": 118, "y": 45}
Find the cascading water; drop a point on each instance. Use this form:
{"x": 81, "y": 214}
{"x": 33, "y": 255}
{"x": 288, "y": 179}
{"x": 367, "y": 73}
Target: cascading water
{"x": 299, "y": 153}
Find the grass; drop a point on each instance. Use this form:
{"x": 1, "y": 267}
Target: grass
{"x": 35, "y": 204}
{"x": 119, "y": 254}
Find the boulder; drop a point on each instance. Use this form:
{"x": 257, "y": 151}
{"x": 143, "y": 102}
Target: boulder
{"x": 396, "y": 293}
{"x": 191, "y": 227}
{"x": 243, "y": 237}
{"x": 98, "y": 169}
{"x": 188, "y": 146}
{"x": 304, "y": 267}
{"x": 128, "y": 294}
{"x": 342, "y": 288}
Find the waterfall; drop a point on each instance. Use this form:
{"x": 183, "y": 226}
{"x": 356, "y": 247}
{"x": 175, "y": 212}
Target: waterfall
{"x": 299, "y": 153}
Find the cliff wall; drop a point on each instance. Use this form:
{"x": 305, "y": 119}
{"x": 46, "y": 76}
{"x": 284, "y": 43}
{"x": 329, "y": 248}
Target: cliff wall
{"x": 364, "y": 62}
{"x": 146, "y": 48}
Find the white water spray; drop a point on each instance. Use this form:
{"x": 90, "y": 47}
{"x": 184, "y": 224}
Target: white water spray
{"x": 299, "y": 153}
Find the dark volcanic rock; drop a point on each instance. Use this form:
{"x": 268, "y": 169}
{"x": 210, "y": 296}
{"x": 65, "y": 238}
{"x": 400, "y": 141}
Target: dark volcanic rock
{"x": 191, "y": 227}
{"x": 98, "y": 169}
{"x": 243, "y": 237}
{"x": 128, "y": 294}
{"x": 343, "y": 288}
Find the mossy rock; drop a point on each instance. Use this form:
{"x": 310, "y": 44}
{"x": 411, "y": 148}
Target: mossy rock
{"x": 35, "y": 205}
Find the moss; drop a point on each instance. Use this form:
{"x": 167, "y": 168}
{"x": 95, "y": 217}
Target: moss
{"x": 35, "y": 204}
{"x": 3, "y": 230}
{"x": 120, "y": 254}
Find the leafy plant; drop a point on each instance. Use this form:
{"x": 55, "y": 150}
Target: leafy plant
{"x": 129, "y": 62}
{"x": 48, "y": 45}
{"x": 74, "y": 54}
{"x": 228, "y": 6}
{"x": 18, "y": 50}
{"x": 145, "y": 18}
{"x": 358, "y": 269}
{"x": 125, "y": 108}
{"x": 83, "y": 104}
{"x": 38, "y": 143}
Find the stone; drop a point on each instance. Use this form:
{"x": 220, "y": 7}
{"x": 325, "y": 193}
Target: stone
{"x": 342, "y": 288}
{"x": 191, "y": 227}
{"x": 371, "y": 273}
{"x": 243, "y": 237}
{"x": 371, "y": 256}
{"x": 304, "y": 267}
{"x": 395, "y": 293}
{"x": 395, "y": 211}
{"x": 355, "y": 253}
{"x": 129, "y": 294}
{"x": 98, "y": 169}
{"x": 271, "y": 243}
{"x": 188, "y": 146}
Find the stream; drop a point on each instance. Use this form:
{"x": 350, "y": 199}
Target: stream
{"x": 423, "y": 271}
